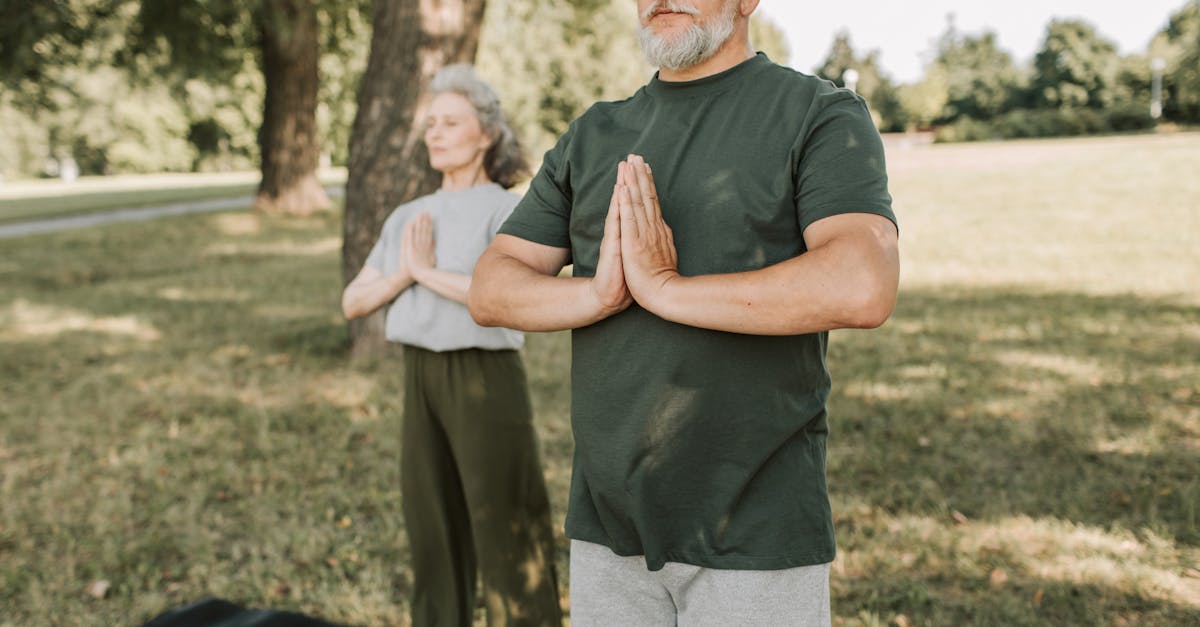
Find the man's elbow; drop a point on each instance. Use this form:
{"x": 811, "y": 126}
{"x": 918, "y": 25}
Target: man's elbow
{"x": 480, "y": 302}
{"x": 478, "y": 309}
{"x": 872, "y": 306}
{"x": 871, "y": 317}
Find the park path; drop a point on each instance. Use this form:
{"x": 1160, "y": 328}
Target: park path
{"x": 50, "y": 225}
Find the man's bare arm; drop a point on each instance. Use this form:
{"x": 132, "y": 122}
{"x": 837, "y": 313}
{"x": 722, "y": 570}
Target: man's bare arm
{"x": 848, "y": 278}
{"x": 516, "y": 284}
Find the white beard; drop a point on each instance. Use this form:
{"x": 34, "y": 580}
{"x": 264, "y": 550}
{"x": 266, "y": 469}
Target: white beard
{"x": 693, "y": 46}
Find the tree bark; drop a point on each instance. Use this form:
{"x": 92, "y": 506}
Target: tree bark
{"x": 388, "y": 163}
{"x": 288, "y": 137}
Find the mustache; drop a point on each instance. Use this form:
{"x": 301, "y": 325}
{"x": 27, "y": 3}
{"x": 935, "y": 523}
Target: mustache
{"x": 663, "y": 6}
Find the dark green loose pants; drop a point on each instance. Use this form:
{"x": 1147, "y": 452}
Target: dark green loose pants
{"x": 473, "y": 493}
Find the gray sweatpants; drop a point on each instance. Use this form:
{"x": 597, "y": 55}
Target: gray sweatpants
{"x": 608, "y": 590}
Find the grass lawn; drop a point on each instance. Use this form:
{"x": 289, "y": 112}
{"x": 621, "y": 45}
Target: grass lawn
{"x": 41, "y": 199}
{"x": 1019, "y": 445}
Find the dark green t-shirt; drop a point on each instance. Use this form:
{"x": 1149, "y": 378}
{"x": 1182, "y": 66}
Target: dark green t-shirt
{"x": 691, "y": 445}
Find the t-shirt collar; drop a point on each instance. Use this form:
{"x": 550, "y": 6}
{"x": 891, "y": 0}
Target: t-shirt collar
{"x": 709, "y": 84}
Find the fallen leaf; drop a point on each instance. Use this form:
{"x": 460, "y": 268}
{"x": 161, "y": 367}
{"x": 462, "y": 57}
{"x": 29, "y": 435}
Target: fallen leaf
{"x": 901, "y": 621}
{"x": 998, "y": 578}
{"x": 1191, "y": 572}
{"x": 98, "y": 588}
{"x": 344, "y": 523}
{"x": 1037, "y": 597}
{"x": 959, "y": 518}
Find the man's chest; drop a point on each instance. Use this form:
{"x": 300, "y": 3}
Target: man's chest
{"x": 727, "y": 196}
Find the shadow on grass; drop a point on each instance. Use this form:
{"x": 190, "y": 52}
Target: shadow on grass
{"x": 997, "y": 403}
{"x": 1061, "y": 431}
{"x": 926, "y": 600}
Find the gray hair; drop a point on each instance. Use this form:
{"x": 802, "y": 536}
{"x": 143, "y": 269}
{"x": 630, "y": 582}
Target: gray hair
{"x": 695, "y": 45}
{"x": 505, "y": 161}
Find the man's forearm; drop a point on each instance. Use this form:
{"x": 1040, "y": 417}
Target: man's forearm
{"x": 507, "y": 293}
{"x": 829, "y": 288}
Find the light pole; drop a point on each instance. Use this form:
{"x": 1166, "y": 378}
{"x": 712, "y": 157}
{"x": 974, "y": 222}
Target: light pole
{"x": 1157, "y": 65}
{"x": 850, "y": 78}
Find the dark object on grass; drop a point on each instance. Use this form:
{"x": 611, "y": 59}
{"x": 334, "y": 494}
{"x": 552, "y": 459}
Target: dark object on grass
{"x": 221, "y": 613}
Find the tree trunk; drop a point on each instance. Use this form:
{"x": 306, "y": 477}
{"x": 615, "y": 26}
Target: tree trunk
{"x": 288, "y": 137}
{"x": 388, "y": 163}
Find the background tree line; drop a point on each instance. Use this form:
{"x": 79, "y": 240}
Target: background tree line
{"x": 1077, "y": 83}
{"x": 155, "y": 85}
{"x": 125, "y": 86}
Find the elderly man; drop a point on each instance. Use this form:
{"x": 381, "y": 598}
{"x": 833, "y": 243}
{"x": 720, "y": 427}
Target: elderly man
{"x": 720, "y": 222}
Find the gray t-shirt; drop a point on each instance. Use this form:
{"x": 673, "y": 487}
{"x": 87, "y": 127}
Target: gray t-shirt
{"x": 464, "y": 223}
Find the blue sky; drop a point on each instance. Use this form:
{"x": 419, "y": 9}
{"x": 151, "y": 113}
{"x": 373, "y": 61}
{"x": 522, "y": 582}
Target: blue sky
{"x": 904, "y": 31}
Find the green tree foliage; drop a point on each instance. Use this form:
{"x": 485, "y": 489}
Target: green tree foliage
{"x": 1076, "y": 67}
{"x": 881, "y": 94}
{"x": 37, "y": 35}
{"x": 570, "y": 55}
{"x": 1179, "y": 45}
{"x": 215, "y": 43}
{"x": 981, "y": 79}
{"x": 550, "y": 60}
{"x": 70, "y": 100}
{"x": 767, "y": 37}
{"x": 180, "y": 81}
{"x": 925, "y": 101}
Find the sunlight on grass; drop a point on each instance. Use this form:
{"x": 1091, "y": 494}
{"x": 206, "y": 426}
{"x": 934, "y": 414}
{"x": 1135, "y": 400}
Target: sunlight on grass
{"x": 1106, "y": 215}
{"x": 238, "y": 223}
{"x": 281, "y": 249}
{"x": 1073, "y": 368}
{"x": 1034, "y": 554}
{"x": 22, "y": 318}
{"x": 207, "y": 295}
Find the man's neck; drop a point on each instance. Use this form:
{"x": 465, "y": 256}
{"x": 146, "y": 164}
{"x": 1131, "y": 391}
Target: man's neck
{"x": 735, "y": 50}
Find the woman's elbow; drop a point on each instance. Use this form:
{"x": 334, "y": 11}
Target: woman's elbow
{"x": 350, "y": 309}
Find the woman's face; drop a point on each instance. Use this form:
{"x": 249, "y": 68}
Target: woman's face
{"x": 453, "y": 134}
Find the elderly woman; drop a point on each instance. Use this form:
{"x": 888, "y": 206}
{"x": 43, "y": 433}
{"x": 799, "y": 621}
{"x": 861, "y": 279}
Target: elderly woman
{"x": 472, "y": 489}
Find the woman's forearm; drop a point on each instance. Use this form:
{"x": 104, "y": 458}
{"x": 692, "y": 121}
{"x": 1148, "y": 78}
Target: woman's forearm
{"x": 445, "y": 283}
{"x": 363, "y": 297}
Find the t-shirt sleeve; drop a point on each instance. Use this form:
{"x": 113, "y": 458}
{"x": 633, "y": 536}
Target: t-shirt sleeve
{"x": 543, "y": 215}
{"x": 504, "y": 209}
{"x": 841, "y": 166}
{"x": 384, "y": 246}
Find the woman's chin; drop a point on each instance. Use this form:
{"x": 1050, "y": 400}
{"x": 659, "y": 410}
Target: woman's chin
{"x": 444, "y": 166}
